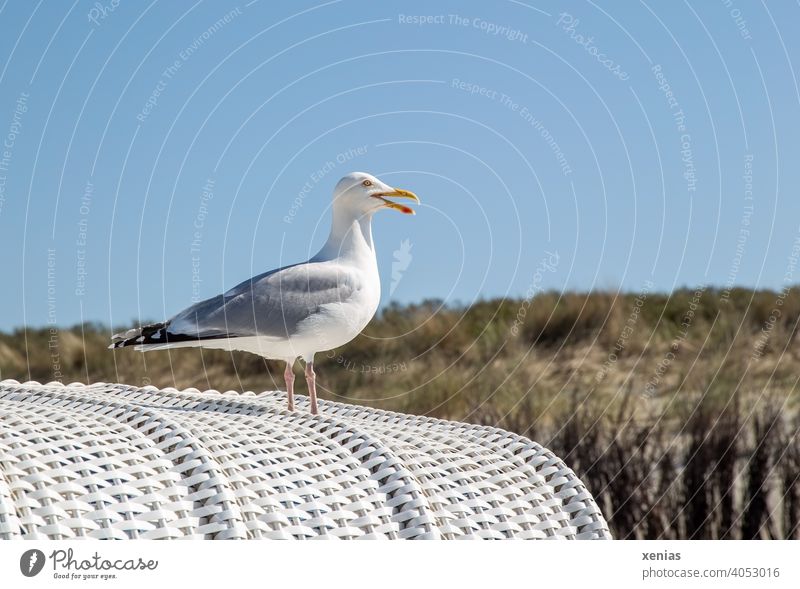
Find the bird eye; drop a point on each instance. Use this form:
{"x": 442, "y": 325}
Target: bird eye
{"x": 366, "y": 183}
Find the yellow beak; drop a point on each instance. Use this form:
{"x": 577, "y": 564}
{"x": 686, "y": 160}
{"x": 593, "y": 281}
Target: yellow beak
{"x": 397, "y": 193}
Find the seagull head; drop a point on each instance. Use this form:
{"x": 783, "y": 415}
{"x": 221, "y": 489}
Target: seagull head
{"x": 363, "y": 194}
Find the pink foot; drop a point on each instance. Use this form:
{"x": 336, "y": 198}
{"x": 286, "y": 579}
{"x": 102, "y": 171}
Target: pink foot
{"x": 288, "y": 376}
{"x": 311, "y": 380}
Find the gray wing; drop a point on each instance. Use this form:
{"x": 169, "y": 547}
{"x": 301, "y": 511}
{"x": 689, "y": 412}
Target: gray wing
{"x": 269, "y": 305}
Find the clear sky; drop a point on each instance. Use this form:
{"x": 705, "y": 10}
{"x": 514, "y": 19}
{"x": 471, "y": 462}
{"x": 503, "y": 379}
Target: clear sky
{"x": 159, "y": 152}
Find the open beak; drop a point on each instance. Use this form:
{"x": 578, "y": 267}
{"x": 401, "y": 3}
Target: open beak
{"x": 397, "y": 193}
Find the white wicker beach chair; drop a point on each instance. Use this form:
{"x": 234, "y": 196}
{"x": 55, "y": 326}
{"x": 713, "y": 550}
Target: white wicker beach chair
{"x": 120, "y": 462}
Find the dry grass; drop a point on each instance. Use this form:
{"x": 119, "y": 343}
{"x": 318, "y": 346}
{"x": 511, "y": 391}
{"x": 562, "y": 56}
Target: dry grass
{"x": 681, "y": 430}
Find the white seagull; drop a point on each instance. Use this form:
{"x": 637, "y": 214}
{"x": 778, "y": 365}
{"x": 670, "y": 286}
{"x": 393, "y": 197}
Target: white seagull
{"x": 298, "y": 310}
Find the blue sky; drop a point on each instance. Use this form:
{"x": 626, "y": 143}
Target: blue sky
{"x": 154, "y": 151}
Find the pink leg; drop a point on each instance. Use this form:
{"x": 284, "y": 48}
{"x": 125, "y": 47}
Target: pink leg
{"x": 311, "y": 380}
{"x": 288, "y": 376}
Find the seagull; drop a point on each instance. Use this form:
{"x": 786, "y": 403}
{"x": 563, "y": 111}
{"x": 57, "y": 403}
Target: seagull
{"x": 299, "y": 310}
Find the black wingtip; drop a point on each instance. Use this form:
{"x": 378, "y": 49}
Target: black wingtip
{"x": 154, "y": 333}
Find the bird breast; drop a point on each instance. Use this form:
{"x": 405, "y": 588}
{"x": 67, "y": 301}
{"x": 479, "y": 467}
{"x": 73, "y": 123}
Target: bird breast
{"x": 338, "y": 322}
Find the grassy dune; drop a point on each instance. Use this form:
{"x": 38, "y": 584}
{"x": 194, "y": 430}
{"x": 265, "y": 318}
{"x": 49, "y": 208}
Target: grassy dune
{"x": 680, "y": 412}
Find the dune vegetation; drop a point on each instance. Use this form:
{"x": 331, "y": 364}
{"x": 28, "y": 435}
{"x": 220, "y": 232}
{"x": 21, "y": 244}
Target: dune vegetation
{"x": 680, "y": 412}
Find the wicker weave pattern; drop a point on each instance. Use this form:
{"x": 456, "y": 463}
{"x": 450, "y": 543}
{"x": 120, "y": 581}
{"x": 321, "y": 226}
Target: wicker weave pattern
{"x": 116, "y": 461}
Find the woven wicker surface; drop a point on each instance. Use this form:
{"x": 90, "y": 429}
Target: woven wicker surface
{"x": 117, "y": 461}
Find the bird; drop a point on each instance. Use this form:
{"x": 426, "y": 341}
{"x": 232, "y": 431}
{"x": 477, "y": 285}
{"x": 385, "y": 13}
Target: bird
{"x": 298, "y": 310}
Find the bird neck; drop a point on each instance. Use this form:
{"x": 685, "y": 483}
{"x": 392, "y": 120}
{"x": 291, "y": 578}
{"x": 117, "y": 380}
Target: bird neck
{"x": 350, "y": 237}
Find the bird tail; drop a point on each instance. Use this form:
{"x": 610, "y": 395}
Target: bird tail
{"x": 155, "y": 333}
